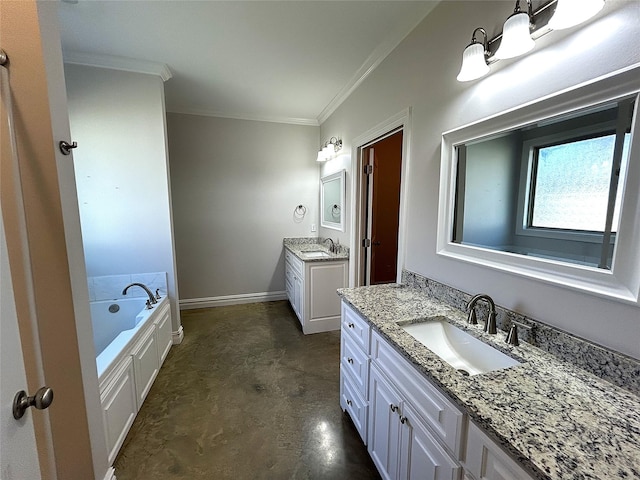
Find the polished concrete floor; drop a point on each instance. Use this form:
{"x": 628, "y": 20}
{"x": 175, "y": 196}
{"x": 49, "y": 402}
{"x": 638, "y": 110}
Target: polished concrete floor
{"x": 246, "y": 396}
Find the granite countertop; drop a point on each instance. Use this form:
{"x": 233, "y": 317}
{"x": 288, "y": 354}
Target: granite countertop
{"x": 301, "y": 250}
{"x": 559, "y": 421}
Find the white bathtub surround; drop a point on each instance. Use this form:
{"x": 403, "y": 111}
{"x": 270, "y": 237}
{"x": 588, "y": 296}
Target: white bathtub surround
{"x": 132, "y": 343}
{"x": 109, "y": 287}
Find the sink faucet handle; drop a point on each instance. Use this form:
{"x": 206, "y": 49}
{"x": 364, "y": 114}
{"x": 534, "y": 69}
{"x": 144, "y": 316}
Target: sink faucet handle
{"x": 512, "y": 337}
{"x": 157, "y": 294}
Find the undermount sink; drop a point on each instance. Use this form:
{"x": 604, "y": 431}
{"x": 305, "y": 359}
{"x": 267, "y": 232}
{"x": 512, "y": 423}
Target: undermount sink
{"x": 456, "y": 347}
{"x": 316, "y": 254}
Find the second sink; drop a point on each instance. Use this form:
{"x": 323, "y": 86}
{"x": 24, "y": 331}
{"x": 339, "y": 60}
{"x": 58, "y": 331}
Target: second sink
{"x": 456, "y": 347}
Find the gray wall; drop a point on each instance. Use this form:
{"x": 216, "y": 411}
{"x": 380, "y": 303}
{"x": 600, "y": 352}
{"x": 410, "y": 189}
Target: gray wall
{"x": 492, "y": 179}
{"x": 235, "y": 185}
{"x": 122, "y": 174}
{"x": 421, "y": 73}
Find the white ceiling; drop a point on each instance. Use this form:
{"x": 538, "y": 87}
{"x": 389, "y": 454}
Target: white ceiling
{"x": 289, "y": 61}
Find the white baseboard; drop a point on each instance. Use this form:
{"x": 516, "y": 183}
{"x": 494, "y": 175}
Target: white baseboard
{"x": 191, "y": 303}
{"x": 178, "y": 336}
{"x": 111, "y": 474}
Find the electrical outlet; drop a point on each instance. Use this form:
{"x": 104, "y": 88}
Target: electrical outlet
{"x": 313, "y": 227}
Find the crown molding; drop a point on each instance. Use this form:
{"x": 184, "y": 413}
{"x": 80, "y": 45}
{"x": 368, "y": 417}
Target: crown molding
{"x": 309, "y": 122}
{"x": 370, "y": 64}
{"x": 118, "y": 63}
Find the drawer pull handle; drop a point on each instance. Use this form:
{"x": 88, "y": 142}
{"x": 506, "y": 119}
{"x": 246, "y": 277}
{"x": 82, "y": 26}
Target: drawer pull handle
{"x": 349, "y": 402}
{"x": 403, "y": 419}
{"x": 351, "y": 325}
{"x": 394, "y": 408}
{"x": 350, "y": 360}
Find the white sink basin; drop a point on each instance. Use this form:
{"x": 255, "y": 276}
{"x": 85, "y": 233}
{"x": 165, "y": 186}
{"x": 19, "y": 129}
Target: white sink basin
{"x": 459, "y": 349}
{"x": 316, "y": 254}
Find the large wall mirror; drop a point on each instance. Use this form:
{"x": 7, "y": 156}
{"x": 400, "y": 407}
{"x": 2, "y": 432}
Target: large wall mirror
{"x": 550, "y": 190}
{"x": 332, "y": 201}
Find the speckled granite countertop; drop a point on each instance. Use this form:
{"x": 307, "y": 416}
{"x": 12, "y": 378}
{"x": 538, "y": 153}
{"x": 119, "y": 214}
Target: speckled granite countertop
{"x": 301, "y": 251}
{"x": 559, "y": 421}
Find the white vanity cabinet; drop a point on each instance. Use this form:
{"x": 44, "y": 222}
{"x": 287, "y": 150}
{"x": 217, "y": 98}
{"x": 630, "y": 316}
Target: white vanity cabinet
{"x": 294, "y": 271}
{"x": 311, "y": 289}
{"x": 411, "y": 429}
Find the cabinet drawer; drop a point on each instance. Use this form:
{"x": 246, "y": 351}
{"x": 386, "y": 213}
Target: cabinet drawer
{"x": 353, "y": 403}
{"x": 356, "y": 326}
{"x": 355, "y": 362}
{"x": 444, "y": 418}
{"x": 294, "y": 262}
{"x": 486, "y": 461}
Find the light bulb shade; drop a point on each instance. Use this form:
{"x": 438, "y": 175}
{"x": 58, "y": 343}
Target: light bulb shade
{"x": 328, "y": 151}
{"x": 570, "y": 13}
{"x": 474, "y": 64}
{"x": 321, "y": 157}
{"x": 516, "y": 37}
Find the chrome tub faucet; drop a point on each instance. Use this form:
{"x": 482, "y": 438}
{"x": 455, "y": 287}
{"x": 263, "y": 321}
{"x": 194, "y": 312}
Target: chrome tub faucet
{"x": 152, "y": 298}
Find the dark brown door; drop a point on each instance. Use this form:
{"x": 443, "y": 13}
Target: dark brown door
{"x": 383, "y": 212}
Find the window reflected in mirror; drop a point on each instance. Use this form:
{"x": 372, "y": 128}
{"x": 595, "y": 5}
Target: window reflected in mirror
{"x": 552, "y": 189}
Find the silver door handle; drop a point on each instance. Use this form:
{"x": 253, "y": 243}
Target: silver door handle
{"x": 41, "y": 400}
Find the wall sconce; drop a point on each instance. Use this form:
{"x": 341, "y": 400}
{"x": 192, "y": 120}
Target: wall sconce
{"x": 331, "y": 147}
{"x": 516, "y": 33}
{"x": 570, "y": 13}
{"x": 474, "y": 58}
{"x": 521, "y": 30}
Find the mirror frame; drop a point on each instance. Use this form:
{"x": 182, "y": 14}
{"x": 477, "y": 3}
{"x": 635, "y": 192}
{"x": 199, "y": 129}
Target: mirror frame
{"x": 622, "y": 282}
{"x": 330, "y": 178}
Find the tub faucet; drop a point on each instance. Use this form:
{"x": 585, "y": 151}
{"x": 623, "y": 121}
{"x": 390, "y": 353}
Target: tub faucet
{"x": 490, "y": 325}
{"x": 332, "y": 247}
{"x": 152, "y": 298}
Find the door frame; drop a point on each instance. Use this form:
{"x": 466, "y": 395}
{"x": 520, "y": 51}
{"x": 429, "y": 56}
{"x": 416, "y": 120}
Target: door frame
{"x": 399, "y": 121}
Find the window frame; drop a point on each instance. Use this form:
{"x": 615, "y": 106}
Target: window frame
{"x": 524, "y": 211}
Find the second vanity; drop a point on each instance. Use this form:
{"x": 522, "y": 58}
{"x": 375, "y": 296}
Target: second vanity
{"x": 420, "y": 418}
{"x": 312, "y": 274}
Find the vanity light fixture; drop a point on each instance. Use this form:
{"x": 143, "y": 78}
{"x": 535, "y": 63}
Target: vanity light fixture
{"x": 474, "y": 58}
{"x": 570, "y": 13}
{"x": 516, "y": 33}
{"x": 331, "y": 147}
{"x": 521, "y": 30}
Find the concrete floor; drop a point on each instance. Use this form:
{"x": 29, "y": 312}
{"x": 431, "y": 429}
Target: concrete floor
{"x": 246, "y": 396}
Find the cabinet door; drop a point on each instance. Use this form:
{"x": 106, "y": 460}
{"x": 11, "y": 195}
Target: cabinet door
{"x": 163, "y": 332}
{"x": 421, "y": 456}
{"x": 486, "y": 460}
{"x": 384, "y": 425}
{"x": 297, "y": 296}
{"x": 145, "y": 363}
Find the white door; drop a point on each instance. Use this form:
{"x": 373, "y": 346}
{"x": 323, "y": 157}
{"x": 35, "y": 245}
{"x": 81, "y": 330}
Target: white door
{"x": 18, "y": 455}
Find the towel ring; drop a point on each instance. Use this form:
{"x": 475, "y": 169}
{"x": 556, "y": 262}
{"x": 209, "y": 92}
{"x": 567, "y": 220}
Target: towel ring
{"x": 335, "y": 210}
{"x": 300, "y": 211}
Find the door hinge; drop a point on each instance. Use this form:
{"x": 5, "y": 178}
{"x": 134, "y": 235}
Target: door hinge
{"x": 366, "y": 242}
{"x": 368, "y": 169}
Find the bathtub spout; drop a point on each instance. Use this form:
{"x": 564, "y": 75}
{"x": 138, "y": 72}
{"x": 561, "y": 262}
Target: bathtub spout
{"x": 152, "y": 298}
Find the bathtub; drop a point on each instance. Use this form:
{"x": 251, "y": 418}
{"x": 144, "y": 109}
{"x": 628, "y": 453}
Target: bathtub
{"x": 131, "y": 345}
{"x": 116, "y": 325}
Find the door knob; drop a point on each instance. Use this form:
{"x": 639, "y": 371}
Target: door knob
{"x": 41, "y": 400}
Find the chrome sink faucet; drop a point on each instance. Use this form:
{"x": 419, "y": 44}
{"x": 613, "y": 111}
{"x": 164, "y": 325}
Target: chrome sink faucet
{"x": 332, "y": 247}
{"x": 490, "y": 325}
{"x": 152, "y": 298}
